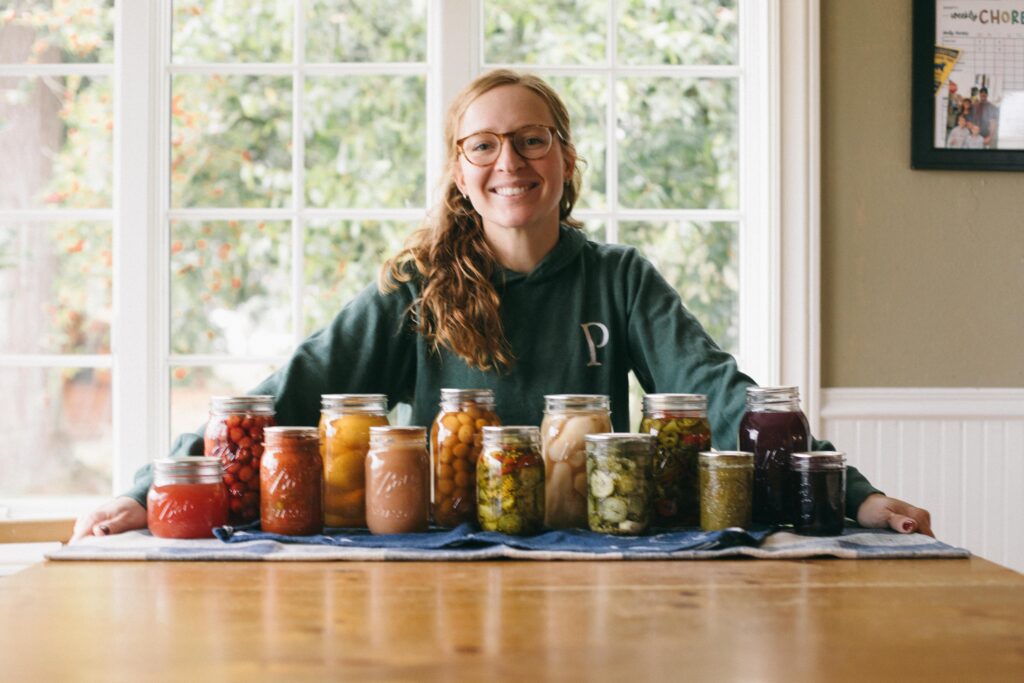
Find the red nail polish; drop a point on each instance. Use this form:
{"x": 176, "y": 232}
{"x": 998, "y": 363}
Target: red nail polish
{"x": 908, "y": 525}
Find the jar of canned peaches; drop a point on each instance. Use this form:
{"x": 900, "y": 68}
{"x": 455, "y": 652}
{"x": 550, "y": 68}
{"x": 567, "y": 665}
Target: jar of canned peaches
{"x": 345, "y": 421}
{"x": 567, "y": 419}
{"x": 456, "y": 438}
{"x": 234, "y": 435}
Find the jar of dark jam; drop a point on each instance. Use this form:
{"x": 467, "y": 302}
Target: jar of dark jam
{"x": 291, "y": 482}
{"x": 188, "y": 498}
{"x": 679, "y": 423}
{"x": 726, "y": 489}
{"x": 772, "y": 429}
{"x": 234, "y": 435}
{"x": 818, "y": 492}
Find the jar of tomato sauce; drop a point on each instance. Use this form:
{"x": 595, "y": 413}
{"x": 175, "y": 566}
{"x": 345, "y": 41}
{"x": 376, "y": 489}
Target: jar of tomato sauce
{"x": 345, "y": 422}
{"x": 291, "y": 482}
{"x": 187, "y": 499}
{"x": 234, "y": 435}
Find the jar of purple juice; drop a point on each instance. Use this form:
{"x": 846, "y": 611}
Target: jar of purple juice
{"x": 773, "y": 428}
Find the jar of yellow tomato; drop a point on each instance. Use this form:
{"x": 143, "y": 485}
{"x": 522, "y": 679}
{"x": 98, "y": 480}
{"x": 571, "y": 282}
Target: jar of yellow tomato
{"x": 345, "y": 421}
{"x": 456, "y": 438}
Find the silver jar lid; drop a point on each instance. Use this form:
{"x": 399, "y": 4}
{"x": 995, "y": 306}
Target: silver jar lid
{"x": 355, "y": 403}
{"x": 654, "y": 402}
{"x": 813, "y": 460}
{"x": 256, "y": 404}
{"x": 576, "y": 402}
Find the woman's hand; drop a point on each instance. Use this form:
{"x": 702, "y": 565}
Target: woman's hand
{"x": 113, "y": 517}
{"x": 878, "y": 511}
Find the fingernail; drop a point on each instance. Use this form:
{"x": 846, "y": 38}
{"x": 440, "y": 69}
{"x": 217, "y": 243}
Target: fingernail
{"x": 104, "y": 529}
{"x": 908, "y": 525}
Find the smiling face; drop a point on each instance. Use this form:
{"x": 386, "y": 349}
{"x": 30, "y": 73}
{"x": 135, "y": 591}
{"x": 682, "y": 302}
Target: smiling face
{"x": 513, "y": 193}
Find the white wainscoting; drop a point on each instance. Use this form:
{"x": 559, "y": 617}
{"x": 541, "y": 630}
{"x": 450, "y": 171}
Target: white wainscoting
{"x": 957, "y": 452}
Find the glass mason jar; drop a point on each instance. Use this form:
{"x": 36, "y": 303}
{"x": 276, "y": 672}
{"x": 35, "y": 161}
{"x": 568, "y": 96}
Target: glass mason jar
{"x": 773, "y": 428}
{"x": 679, "y": 423}
{"x": 188, "y": 498}
{"x": 291, "y": 482}
{"x": 234, "y": 435}
{"x": 567, "y": 419}
{"x": 818, "y": 492}
{"x": 510, "y": 481}
{"x": 345, "y": 422}
{"x": 397, "y": 480}
{"x": 726, "y": 489}
{"x": 620, "y": 482}
{"x": 455, "y": 442}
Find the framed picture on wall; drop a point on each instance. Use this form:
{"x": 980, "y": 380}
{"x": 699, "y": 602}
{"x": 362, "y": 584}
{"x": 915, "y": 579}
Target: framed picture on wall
{"x": 968, "y": 85}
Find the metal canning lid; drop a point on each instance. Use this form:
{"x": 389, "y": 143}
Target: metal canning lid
{"x": 385, "y": 433}
{"x": 511, "y": 435}
{"x": 355, "y": 402}
{"x": 675, "y": 402}
{"x": 772, "y": 394}
{"x": 198, "y": 465}
{"x": 726, "y": 458}
{"x": 467, "y": 396}
{"x": 621, "y": 438}
{"x": 817, "y": 459}
{"x": 258, "y": 403}
{"x": 576, "y": 402}
{"x": 291, "y": 432}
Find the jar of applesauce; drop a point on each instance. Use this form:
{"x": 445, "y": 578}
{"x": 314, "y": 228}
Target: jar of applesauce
{"x": 397, "y": 480}
{"x": 455, "y": 442}
{"x": 291, "y": 482}
{"x": 234, "y": 435}
{"x": 345, "y": 422}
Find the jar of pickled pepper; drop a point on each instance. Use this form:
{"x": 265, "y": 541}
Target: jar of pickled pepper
{"x": 679, "y": 423}
{"x": 188, "y": 498}
{"x": 455, "y": 442}
{"x": 510, "y": 481}
{"x": 234, "y": 435}
{"x": 291, "y": 482}
{"x": 726, "y": 489}
{"x": 345, "y": 422}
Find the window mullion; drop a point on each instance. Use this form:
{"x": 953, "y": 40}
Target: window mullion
{"x": 298, "y": 168}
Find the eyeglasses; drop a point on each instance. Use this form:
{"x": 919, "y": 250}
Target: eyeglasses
{"x": 484, "y": 148}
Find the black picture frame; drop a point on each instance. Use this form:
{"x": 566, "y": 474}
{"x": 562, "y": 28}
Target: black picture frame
{"x": 924, "y": 154}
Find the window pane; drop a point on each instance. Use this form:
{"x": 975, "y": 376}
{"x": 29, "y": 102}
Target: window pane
{"x": 366, "y": 141}
{"x": 549, "y": 32}
{"x": 596, "y": 229}
{"x": 54, "y": 31}
{"x": 55, "y": 142}
{"x": 232, "y": 31}
{"x": 680, "y": 145}
{"x": 55, "y": 288}
{"x": 231, "y": 141}
{"x": 57, "y": 431}
{"x": 678, "y": 32}
{"x": 701, "y": 261}
{"x": 192, "y": 387}
{"x": 230, "y": 287}
{"x": 378, "y": 31}
{"x": 343, "y": 258}
{"x": 586, "y": 97}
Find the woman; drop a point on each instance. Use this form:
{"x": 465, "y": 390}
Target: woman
{"x": 502, "y": 290}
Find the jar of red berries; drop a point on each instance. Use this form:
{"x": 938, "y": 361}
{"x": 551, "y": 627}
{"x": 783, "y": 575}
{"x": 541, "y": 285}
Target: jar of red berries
{"x": 234, "y": 435}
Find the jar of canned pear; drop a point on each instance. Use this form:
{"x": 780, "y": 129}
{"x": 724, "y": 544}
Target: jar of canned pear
{"x": 679, "y": 424}
{"x": 455, "y": 443}
{"x": 234, "y": 435}
{"x": 510, "y": 481}
{"x": 567, "y": 419}
{"x": 345, "y": 422}
{"x": 619, "y": 482}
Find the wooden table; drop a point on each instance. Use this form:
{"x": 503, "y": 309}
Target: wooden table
{"x": 744, "y": 620}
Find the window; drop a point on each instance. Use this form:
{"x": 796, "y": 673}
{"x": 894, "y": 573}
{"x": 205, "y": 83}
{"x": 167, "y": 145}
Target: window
{"x": 275, "y": 151}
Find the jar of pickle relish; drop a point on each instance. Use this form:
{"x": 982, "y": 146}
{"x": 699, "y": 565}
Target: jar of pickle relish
{"x": 455, "y": 443}
{"x": 726, "y": 489}
{"x": 679, "y": 424}
{"x": 234, "y": 435}
{"x": 510, "y": 481}
{"x": 188, "y": 498}
{"x": 345, "y": 422}
{"x": 397, "y": 480}
{"x": 291, "y": 482}
{"x": 817, "y": 481}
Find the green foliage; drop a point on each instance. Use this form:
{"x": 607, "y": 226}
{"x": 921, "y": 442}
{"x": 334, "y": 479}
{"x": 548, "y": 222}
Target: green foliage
{"x": 231, "y": 31}
{"x": 678, "y": 32}
{"x": 343, "y": 31}
{"x": 552, "y": 32}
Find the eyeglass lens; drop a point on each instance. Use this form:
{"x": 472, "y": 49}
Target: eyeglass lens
{"x": 532, "y": 142}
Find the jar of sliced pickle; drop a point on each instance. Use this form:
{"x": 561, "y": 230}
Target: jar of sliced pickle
{"x": 619, "y": 482}
{"x": 510, "y": 481}
{"x": 455, "y": 442}
{"x": 291, "y": 482}
{"x": 345, "y": 422}
{"x": 726, "y": 489}
{"x": 567, "y": 419}
{"x": 679, "y": 423}
{"x": 234, "y": 435}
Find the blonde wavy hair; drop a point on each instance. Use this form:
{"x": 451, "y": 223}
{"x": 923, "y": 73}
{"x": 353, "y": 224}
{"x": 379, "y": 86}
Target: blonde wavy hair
{"x": 458, "y": 306}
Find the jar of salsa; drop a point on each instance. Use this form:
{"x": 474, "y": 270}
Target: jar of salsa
{"x": 345, "y": 422}
{"x": 188, "y": 498}
{"x": 455, "y": 443}
{"x": 234, "y": 435}
{"x": 818, "y": 492}
{"x": 679, "y": 423}
{"x": 567, "y": 419}
{"x": 510, "y": 481}
{"x": 397, "y": 480}
{"x": 726, "y": 489}
{"x": 772, "y": 429}
{"x": 620, "y": 484}
{"x": 291, "y": 482}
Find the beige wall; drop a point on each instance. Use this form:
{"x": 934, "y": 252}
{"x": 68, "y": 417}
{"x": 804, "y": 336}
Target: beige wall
{"x": 922, "y": 271}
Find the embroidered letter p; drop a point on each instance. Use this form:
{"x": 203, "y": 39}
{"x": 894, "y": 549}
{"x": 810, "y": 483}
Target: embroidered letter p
{"x": 590, "y": 341}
